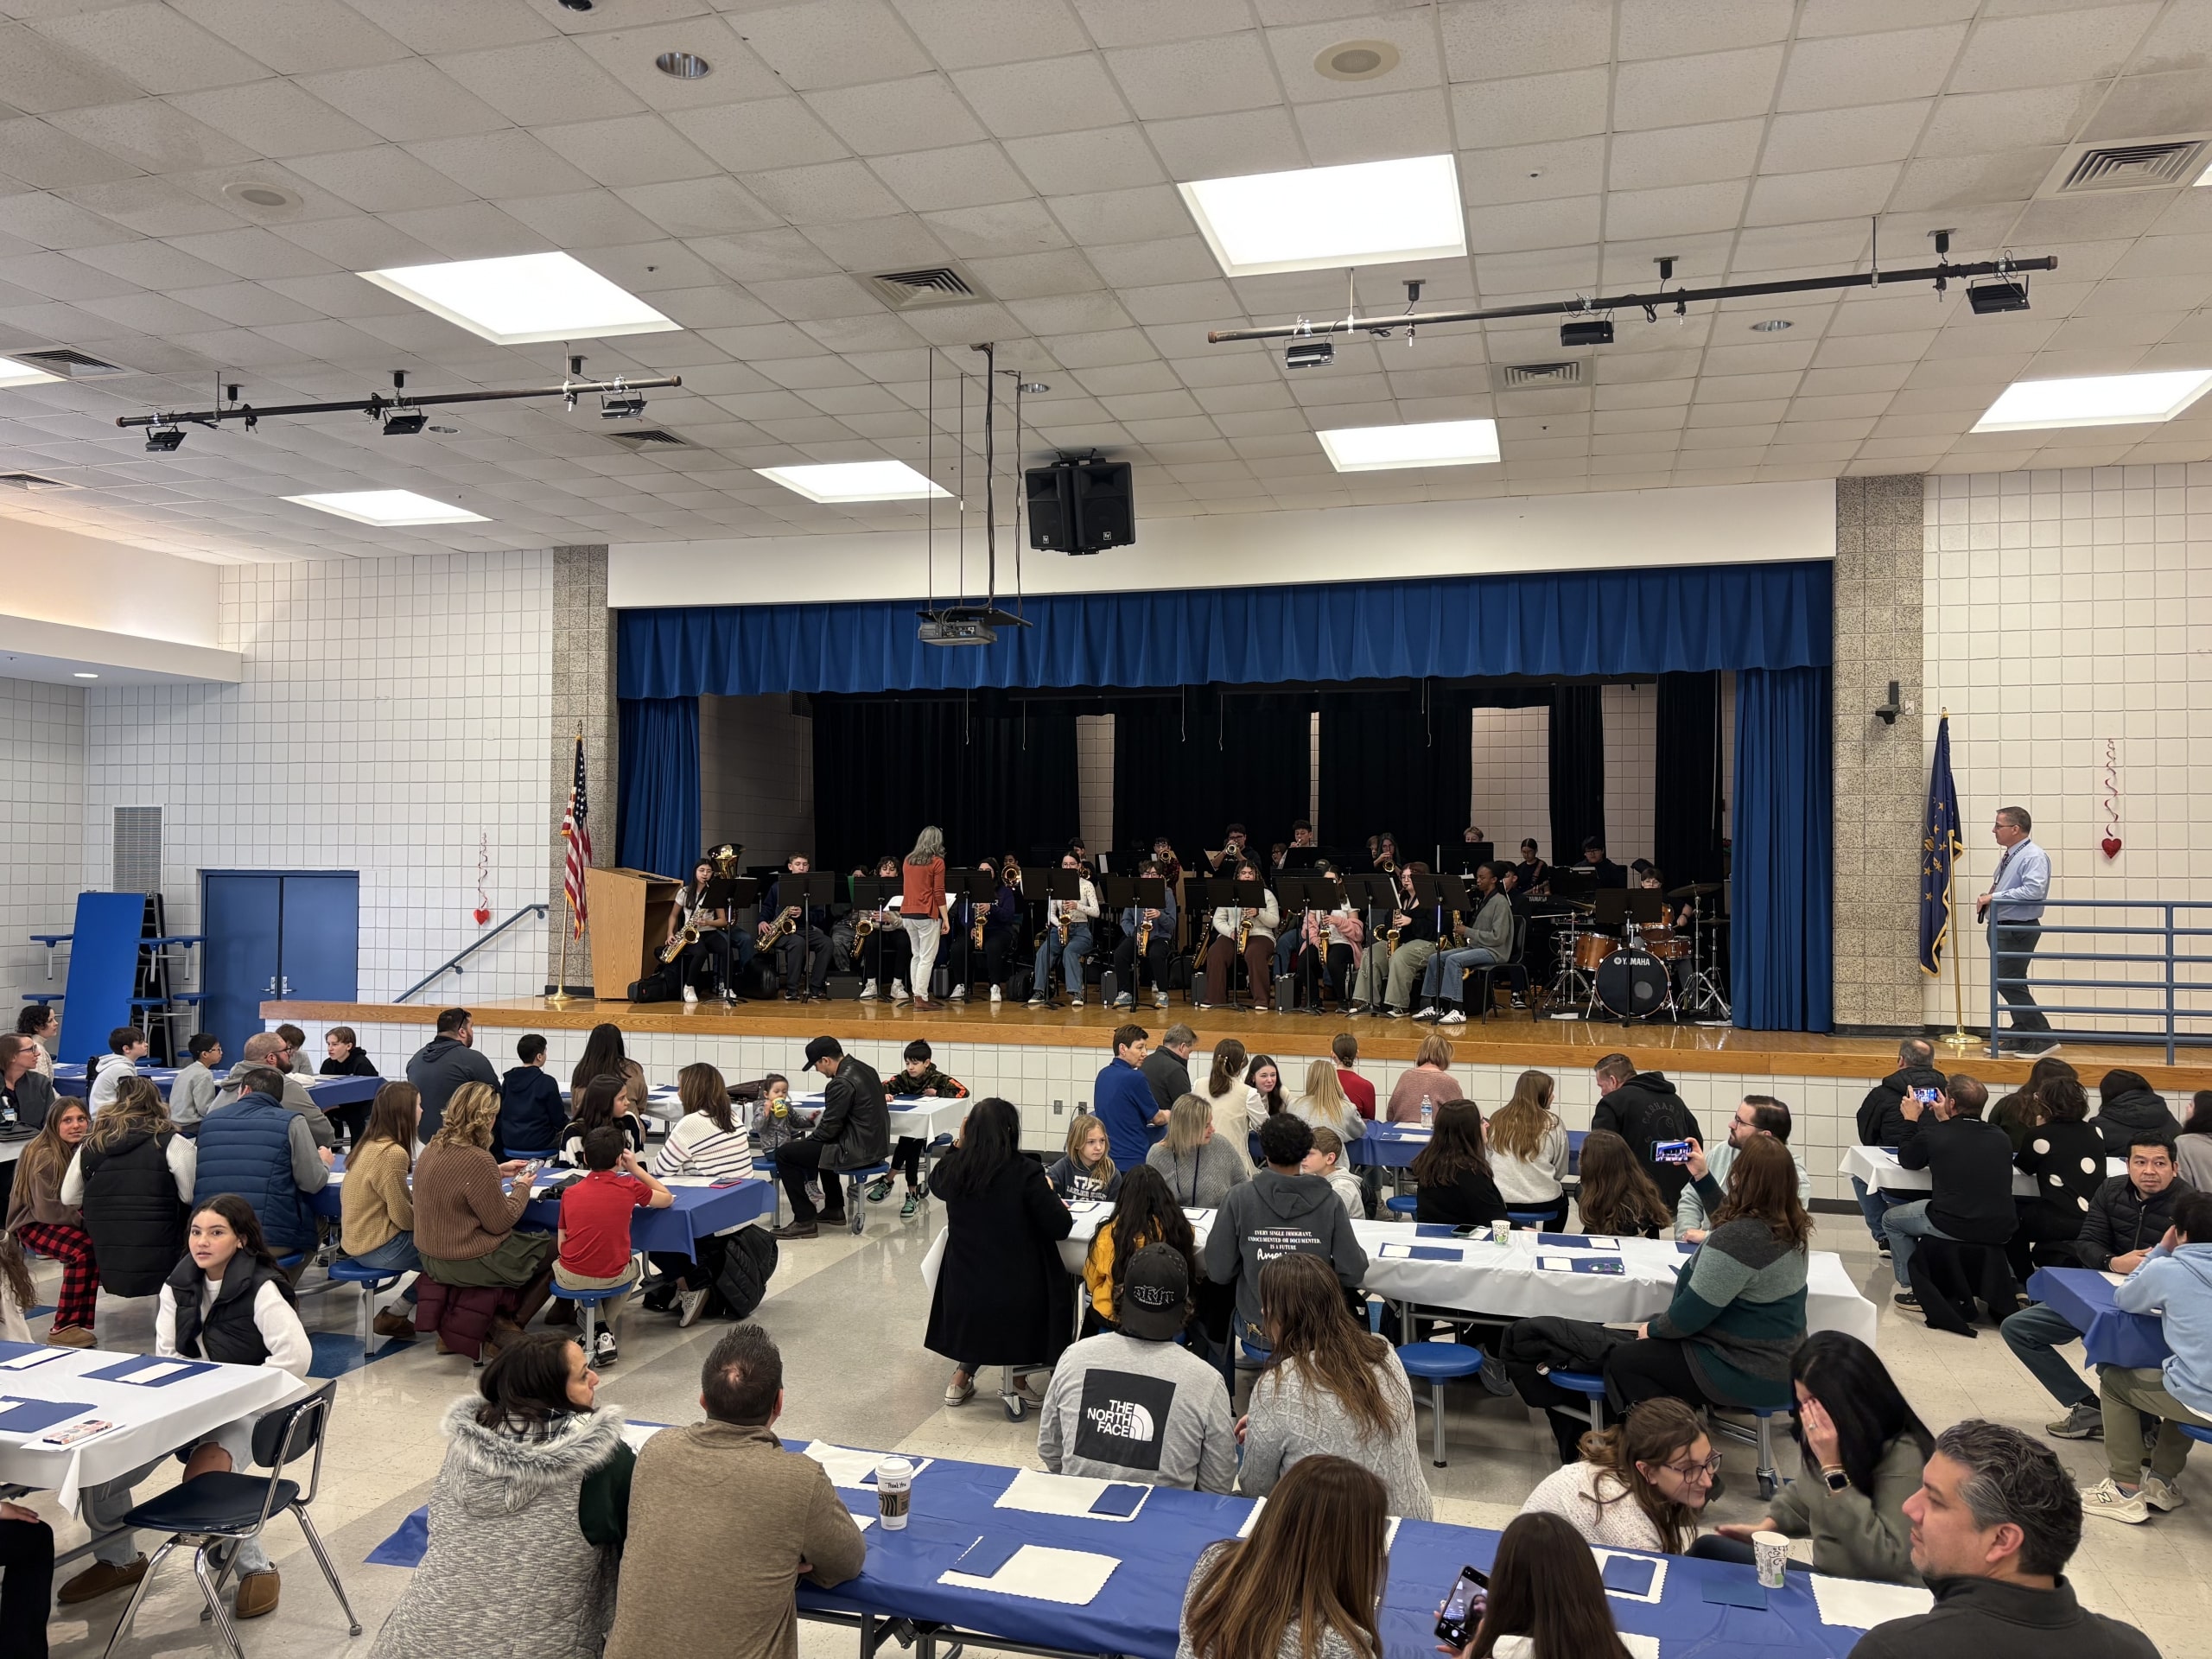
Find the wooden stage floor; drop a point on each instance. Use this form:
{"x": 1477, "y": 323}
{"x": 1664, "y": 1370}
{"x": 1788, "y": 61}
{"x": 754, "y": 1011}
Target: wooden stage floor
{"x": 1516, "y": 1040}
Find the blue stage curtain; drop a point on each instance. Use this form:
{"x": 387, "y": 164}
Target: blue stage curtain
{"x": 1569, "y": 624}
{"x": 660, "y": 785}
{"x": 1782, "y": 978}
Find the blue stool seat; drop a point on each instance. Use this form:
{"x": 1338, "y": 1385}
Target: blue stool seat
{"x": 1770, "y": 1477}
{"x": 373, "y": 1282}
{"x": 2196, "y": 1434}
{"x": 1258, "y": 1352}
{"x": 1403, "y": 1204}
{"x": 588, "y": 1303}
{"x": 525, "y": 1152}
{"x": 1589, "y": 1385}
{"x": 1532, "y": 1218}
{"x": 1440, "y": 1362}
{"x": 855, "y": 1201}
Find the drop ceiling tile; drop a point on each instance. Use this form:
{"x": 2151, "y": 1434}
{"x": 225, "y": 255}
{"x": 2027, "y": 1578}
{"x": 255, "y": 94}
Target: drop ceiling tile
{"x": 1146, "y": 23}
{"x": 2050, "y": 47}
{"x": 1069, "y": 313}
{"x": 710, "y": 206}
{"x": 773, "y": 132}
{"x": 1006, "y": 227}
{"x": 1531, "y": 108}
{"x": 1794, "y": 198}
{"x": 40, "y": 154}
{"x": 152, "y": 137}
{"x": 1062, "y": 272}
{"x": 823, "y": 194}
{"x": 1569, "y": 167}
{"x": 1131, "y": 264}
{"x": 38, "y": 74}
{"x": 1860, "y": 69}
{"x": 630, "y": 149}
{"x": 1485, "y": 39}
{"x": 966, "y": 175}
{"x": 1020, "y": 101}
{"x": 874, "y": 334}
{"x": 1974, "y": 123}
{"x": 897, "y": 242}
{"x": 1095, "y": 218}
{"x": 1942, "y": 183}
{"x": 1378, "y": 128}
{"x": 886, "y": 118}
{"x": 1666, "y": 29}
{"x": 297, "y": 36}
{"x": 584, "y": 219}
{"x": 1205, "y": 77}
{"x": 359, "y": 242}
{"x": 756, "y": 255}
{"x": 407, "y": 100}
{"x": 478, "y": 231}
{"x": 155, "y": 47}
{"x": 1099, "y": 158}
{"x": 152, "y": 265}
{"x": 1522, "y": 226}
{"x": 535, "y": 82}
{"x": 821, "y": 43}
{"x": 58, "y": 276}
{"x": 1681, "y": 210}
{"x": 47, "y": 221}
{"x": 1228, "y": 146}
{"x": 962, "y": 34}
{"x": 1699, "y": 154}
{"x": 2143, "y": 106}
{"x": 735, "y": 72}
{"x": 1089, "y": 349}
{"x": 1713, "y": 86}
{"x": 384, "y": 178}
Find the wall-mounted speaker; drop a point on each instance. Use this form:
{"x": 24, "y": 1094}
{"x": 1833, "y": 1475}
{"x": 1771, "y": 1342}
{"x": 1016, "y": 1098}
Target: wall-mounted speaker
{"x": 1080, "y": 506}
{"x": 1050, "y": 493}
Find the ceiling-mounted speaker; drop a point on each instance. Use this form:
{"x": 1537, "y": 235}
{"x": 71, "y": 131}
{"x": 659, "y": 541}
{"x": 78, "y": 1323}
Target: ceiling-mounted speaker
{"x": 1049, "y": 496}
{"x": 1105, "y": 509}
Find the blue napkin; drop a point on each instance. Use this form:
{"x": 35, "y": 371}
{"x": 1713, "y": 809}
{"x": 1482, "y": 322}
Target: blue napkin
{"x": 1565, "y": 1241}
{"x": 983, "y": 1558}
{"x": 1630, "y": 1574}
{"x": 1121, "y": 1498}
{"x": 1735, "y": 1592}
{"x": 1431, "y": 1253}
{"x": 123, "y": 1368}
{"x": 29, "y": 1416}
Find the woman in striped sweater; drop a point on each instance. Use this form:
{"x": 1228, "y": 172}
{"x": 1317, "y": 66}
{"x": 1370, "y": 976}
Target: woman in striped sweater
{"x": 708, "y": 1140}
{"x": 1739, "y": 1312}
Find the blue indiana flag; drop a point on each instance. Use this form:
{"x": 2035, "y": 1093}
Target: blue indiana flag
{"x": 1939, "y": 845}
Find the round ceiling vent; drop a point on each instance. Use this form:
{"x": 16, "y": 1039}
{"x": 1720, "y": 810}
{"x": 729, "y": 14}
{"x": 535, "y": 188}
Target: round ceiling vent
{"x": 264, "y": 197}
{"x": 1357, "y": 60}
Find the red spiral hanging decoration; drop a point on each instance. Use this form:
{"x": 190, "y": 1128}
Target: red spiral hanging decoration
{"x": 483, "y": 911}
{"x": 2112, "y": 799}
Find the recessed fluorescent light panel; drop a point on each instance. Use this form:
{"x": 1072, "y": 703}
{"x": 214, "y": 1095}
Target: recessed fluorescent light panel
{"x": 526, "y": 300}
{"x": 13, "y": 373}
{"x": 2095, "y": 400}
{"x": 1431, "y": 443}
{"x": 1325, "y": 217}
{"x": 853, "y": 481}
{"x": 388, "y": 508}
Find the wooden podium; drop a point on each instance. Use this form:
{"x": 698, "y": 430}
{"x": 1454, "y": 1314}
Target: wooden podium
{"x": 629, "y": 912}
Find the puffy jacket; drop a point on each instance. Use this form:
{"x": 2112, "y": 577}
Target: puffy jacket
{"x": 246, "y": 1148}
{"x": 229, "y": 1335}
{"x": 2126, "y": 1115}
{"x": 2120, "y": 1220}
{"x": 1644, "y": 1111}
{"x": 131, "y": 1212}
{"x": 1882, "y": 1122}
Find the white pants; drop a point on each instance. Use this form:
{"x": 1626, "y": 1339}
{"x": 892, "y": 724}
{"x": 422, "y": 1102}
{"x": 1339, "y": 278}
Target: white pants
{"x": 923, "y": 936}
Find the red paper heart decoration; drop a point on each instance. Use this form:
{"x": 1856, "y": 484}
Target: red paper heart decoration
{"x": 484, "y": 916}
{"x": 2112, "y": 846}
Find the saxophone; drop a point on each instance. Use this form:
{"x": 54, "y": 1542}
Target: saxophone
{"x": 1144, "y": 936}
{"x": 1063, "y": 927}
{"x": 862, "y": 928}
{"x": 975, "y": 938}
{"x": 1243, "y": 933}
{"x": 683, "y": 940}
{"x": 785, "y": 926}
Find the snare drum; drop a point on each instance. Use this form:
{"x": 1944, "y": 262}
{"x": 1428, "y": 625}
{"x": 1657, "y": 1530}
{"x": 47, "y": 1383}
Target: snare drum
{"x": 1591, "y": 949}
{"x": 1663, "y": 943}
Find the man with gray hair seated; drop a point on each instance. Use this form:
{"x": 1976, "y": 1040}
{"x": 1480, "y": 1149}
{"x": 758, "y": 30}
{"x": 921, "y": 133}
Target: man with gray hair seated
{"x": 268, "y": 1048}
{"x": 1993, "y": 1524}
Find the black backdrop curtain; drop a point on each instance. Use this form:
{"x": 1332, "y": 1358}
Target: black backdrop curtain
{"x": 1397, "y": 761}
{"x": 1577, "y": 769}
{"x": 1185, "y": 765}
{"x": 994, "y": 775}
{"x": 1686, "y": 804}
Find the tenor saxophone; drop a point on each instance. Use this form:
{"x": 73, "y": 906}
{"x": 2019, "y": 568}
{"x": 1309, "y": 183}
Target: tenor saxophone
{"x": 975, "y": 937}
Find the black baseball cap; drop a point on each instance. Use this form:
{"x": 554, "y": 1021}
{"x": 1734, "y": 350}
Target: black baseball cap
{"x": 824, "y": 1048}
{"x": 1156, "y": 1295}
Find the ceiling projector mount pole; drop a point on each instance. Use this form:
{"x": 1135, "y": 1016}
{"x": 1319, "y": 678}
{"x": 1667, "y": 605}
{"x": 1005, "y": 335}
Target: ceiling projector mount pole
{"x": 377, "y": 404}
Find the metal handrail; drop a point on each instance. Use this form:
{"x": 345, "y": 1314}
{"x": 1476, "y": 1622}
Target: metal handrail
{"x": 476, "y": 944}
{"x": 2162, "y": 1005}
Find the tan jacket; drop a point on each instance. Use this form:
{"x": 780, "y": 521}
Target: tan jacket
{"x": 374, "y": 1200}
{"x": 701, "y": 1574}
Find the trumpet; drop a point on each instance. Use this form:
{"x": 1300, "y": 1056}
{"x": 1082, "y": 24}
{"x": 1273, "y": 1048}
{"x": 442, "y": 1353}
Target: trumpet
{"x": 1387, "y": 865}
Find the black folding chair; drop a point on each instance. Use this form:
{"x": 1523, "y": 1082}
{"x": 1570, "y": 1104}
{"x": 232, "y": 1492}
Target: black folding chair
{"x": 229, "y": 1507}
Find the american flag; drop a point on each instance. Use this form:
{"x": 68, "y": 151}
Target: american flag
{"x": 576, "y": 830}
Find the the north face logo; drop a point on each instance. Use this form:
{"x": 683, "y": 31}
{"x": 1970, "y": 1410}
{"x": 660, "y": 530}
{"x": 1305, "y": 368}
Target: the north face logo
{"x": 1123, "y": 1418}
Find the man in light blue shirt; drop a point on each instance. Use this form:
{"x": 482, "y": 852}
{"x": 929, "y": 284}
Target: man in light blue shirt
{"x": 2014, "y": 910}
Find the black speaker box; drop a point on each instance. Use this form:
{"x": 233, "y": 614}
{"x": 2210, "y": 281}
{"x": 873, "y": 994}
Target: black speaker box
{"x": 1105, "y": 509}
{"x": 1050, "y": 492}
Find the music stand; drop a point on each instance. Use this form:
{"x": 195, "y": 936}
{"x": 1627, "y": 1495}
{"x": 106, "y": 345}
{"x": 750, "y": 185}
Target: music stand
{"x": 1300, "y": 858}
{"x": 1457, "y": 896}
{"x": 816, "y": 888}
{"x": 1066, "y": 885}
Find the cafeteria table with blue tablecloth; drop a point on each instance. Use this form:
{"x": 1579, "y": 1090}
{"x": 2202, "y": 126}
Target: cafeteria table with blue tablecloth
{"x": 1147, "y": 1560}
{"x": 327, "y": 1092}
{"x": 1394, "y": 1146}
{"x": 2110, "y": 1335}
{"x": 701, "y": 1210}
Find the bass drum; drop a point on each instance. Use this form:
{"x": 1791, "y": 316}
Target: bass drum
{"x": 1632, "y": 985}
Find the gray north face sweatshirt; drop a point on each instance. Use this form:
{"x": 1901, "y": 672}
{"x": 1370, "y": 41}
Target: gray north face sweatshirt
{"x": 1121, "y": 1408}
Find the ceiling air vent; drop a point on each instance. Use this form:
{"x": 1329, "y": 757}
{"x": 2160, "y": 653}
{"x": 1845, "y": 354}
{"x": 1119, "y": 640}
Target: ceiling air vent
{"x": 32, "y": 482}
{"x": 911, "y": 290}
{"x": 651, "y": 437}
{"x": 1521, "y": 377}
{"x": 74, "y": 365}
{"x": 2154, "y": 164}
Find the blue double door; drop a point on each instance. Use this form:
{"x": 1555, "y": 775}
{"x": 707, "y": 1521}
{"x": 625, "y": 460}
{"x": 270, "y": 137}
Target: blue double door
{"x": 275, "y": 934}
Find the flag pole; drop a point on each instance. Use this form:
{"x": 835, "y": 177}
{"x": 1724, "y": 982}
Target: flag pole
{"x": 560, "y": 997}
{"x": 1958, "y": 1042}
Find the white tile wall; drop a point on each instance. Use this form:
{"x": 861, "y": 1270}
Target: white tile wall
{"x": 1094, "y": 769}
{"x": 1631, "y": 751}
{"x": 392, "y": 711}
{"x": 1511, "y": 772}
{"x": 756, "y": 776}
{"x": 2063, "y": 611}
{"x": 41, "y": 819}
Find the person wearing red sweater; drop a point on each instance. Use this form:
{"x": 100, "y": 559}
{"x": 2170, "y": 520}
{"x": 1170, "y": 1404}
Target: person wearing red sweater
{"x": 921, "y": 907}
{"x": 1357, "y": 1089}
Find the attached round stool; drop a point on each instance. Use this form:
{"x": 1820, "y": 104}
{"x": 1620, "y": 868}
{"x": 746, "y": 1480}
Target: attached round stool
{"x": 2196, "y": 1434}
{"x": 588, "y": 1303}
{"x": 373, "y": 1281}
{"x": 1403, "y": 1204}
{"x": 1440, "y": 1362}
{"x": 1536, "y": 1220}
{"x": 856, "y": 1181}
{"x": 1770, "y": 1477}
{"x": 1589, "y": 1385}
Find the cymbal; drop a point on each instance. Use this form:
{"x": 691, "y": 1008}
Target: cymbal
{"x": 1695, "y": 890}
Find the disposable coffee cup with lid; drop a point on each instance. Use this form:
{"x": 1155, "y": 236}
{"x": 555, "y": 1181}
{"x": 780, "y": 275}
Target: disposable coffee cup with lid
{"x": 894, "y": 1491}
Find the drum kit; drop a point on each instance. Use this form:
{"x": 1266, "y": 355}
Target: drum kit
{"x": 1639, "y": 970}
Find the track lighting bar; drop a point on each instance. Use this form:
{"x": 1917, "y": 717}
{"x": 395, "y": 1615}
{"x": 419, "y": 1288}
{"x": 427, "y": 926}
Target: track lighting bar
{"x": 377, "y": 404}
{"x": 1648, "y": 303}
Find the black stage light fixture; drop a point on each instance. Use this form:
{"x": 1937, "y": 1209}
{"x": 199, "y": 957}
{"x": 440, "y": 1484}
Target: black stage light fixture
{"x": 621, "y": 406}
{"x": 1599, "y": 332}
{"x": 1988, "y": 298}
{"x": 1309, "y": 354}
{"x": 164, "y": 440}
{"x": 404, "y": 423}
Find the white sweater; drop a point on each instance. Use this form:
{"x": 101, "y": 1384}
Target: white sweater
{"x": 695, "y": 1147}
{"x": 1590, "y": 1500}
{"x": 1535, "y": 1180}
{"x": 282, "y": 1333}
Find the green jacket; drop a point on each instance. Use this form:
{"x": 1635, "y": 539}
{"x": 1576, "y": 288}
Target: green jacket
{"x": 1739, "y": 1310}
{"x": 1856, "y": 1534}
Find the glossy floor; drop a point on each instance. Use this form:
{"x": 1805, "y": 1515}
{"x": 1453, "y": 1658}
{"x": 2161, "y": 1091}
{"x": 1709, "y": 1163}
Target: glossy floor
{"x": 849, "y": 1316}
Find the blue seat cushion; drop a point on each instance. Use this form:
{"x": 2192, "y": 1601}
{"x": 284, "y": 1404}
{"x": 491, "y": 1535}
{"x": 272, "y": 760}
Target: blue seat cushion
{"x": 1587, "y": 1383}
{"x": 2195, "y": 1432}
{"x": 353, "y": 1272}
{"x": 1403, "y": 1204}
{"x": 1442, "y": 1360}
{"x": 224, "y": 1501}
{"x": 592, "y": 1297}
{"x": 866, "y": 1170}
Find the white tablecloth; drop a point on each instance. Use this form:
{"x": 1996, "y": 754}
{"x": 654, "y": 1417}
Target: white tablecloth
{"x": 924, "y": 1120}
{"x": 1879, "y": 1167}
{"x": 150, "y": 1421}
{"x": 1503, "y": 1279}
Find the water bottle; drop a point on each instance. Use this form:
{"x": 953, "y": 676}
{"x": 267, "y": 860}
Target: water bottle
{"x": 1428, "y": 1113}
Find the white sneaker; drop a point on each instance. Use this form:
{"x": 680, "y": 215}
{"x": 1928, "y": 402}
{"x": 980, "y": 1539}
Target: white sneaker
{"x": 995, "y": 994}
{"x": 899, "y": 990}
{"x": 1037, "y": 1001}
{"x": 1457, "y": 1017}
{"x": 959, "y": 994}
{"x": 1430, "y": 1013}
{"x": 691, "y": 993}
{"x": 1159, "y": 999}
{"x": 2163, "y": 1496}
{"x": 1075, "y": 1000}
{"x": 867, "y": 990}
{"x": 2106, "y": 1499}
{"x": 1126, "y": 999}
